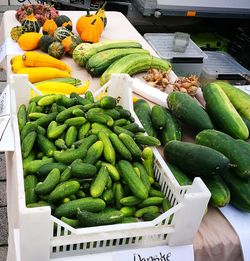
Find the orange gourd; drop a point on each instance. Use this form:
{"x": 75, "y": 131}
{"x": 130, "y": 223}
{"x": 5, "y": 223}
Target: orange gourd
{"x": 90, "y": 27}
{"x": 49, "y": 27}
{"x": 92, "y": 34}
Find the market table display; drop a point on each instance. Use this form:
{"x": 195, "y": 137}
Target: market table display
{"x": 116, "y": 21}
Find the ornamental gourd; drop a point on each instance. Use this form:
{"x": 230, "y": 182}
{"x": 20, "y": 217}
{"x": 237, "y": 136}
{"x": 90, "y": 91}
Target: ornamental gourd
{"x": 29, "y": 41}
{"x": 30, "y": 23}
{"x": 90, "y": 27}
{"x": 64, "y": 21}
{"x": 101, "y": 13}
{"x": 49, "y": 27}
{"x": 56, "y": 50}
{"x": 70, "y": 43}
{"x": 45, "y": 42}
{"x": 61, "y": 33}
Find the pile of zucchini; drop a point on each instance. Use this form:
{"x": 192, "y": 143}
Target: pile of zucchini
{"x": 88, "y": 160}
{"x": 102, "y": 59}
{"x": 220, "y": 154}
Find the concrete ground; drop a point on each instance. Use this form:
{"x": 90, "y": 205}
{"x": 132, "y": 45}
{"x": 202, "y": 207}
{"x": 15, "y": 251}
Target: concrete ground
{"x": 3, "y": 201}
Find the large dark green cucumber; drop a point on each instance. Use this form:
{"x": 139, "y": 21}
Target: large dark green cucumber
{"x": 143, "y": 112}
{"x": 194, "y": 159}
{"x": 239, "y": 190}
{"x": 134, "y": 63}
{"x": 89, "y": 219}
{"x": 239, "y": 98}
{"x": 182, "y": 178}
{"x": 229, "y": 147}
{"x": 187, "y": 110}
{"x": 99, "y": 62}
{"x": 223, "y": 113}
{"x": 171, "y": 130}
{"x": 220, "y": 194}
{"x": 135, "y": 184}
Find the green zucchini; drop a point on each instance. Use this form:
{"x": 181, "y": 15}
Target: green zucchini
{"x": 99, "y": 62}
{"x": 223, "y": 113}
{"x": 195, "y": 159}
{"x": 188, "y": 111}
{"x": 133, "y": 64}
{"x": 84, "y": 51}
{"x": 229, "y": 147}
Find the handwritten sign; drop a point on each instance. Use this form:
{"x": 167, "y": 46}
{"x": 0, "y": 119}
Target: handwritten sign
{"x": 159, "y": 253}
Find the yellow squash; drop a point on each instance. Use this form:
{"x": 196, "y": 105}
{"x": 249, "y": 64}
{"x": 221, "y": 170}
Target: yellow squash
{"x": 62, "y": 88}
{"x": 37, "y": 74}
{"x": 29, "y": 41}
{"x": 36, "y": 59}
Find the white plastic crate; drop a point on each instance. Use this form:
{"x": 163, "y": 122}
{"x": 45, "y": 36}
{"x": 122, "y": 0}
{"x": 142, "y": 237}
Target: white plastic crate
{"x": 43, "y": 236}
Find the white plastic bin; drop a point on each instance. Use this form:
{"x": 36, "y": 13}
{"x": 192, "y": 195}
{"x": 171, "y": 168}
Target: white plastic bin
{"x": 184, "y": 63}
{"x": 220, "y": 65}
{"x": 43, "y": 236}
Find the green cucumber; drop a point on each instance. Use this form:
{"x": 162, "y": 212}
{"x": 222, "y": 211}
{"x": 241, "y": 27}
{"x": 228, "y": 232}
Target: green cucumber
{"x": 45, "y": 120}
{"x": 166, "y": 205}
{"x": 108, "y": 102}
{"x": 68, "y": 156}
{"x": 70, "y": 136}
{"x": 28, "y": 127}
{"x": 130, "y": 201}
{"x": 38, "y": 204}
{"x": 36, "y": 115}
{"x": 222, "y": 111}
{"x": 229, "y": 147}
{"x": 148, "y": 161}
{"x": 121, "y": 122}
{"x": 89, "y": 219}
{"x": 63, "y": 190}
{"x": 65, "y": 101}
{"x": 89, "y": 96}
{"x": 100, "y": 127}
{"x": 34, "y": 165}
{"x": 28, "y": 143}
{"x": 239, "y": 191}
{"x": 135, "y": 184}
{"x": 46, "y": 100}
{"x": 69, "y": 209}
{"x": 60, "y": 143}
{"x": 113, "y": 172}
{"x": 155, "y": 193}
{"x": 76, "y": 121}
{"x": 100, "y": 118}
{"x": 147, "y": 140}
{"x": 129, "y": 220}
{"x": 83, "y": 130}
{"x": 44, "y": 170}
{"x": 46, "y": 146}
{"x": 94, "y": 153}
{"x": 158, "y": 117}
{"x": 31, "y": 107}
{"x": 143, "y": 112}
{"x": 21, "y": 116}
{"x": 181, "y": 178}
{"x": 120, "y": 147}
{"x": 119, "y": 194}
{"x": 133, "y": 127}
{"x": 118, "y": 130}
{"x": 108, "y": 150}
{"x": 220, "y": 194}
{"x": 108, "y": 196}
{"x": 149, "y": 209}
{"x": 149, "y": 216}
{"x": 99, "y": 183}
{"x": 171, "y": 130}
{"x": 54, "y": 131}
{"x": 113, "y": 113}
{"x": 131, "y": 145}
{"x": 124, "y": 113}
{"x": 30, "y": 183}
{"x": 45, "y": 187}
{"x": 80, "y": 100}
{"x": 83, "y": 170}
{"x": 195, "y": 159}
{"x": 143, "y": 175}
{"x": 71, "y": 222}
{"x": 239, "y": 98}
{"x": 188, "y": 111}
{"x": 128, "y": 211}
{"x": 66, "y": 114}
{"x": 78, "y": 113}
{"x": 151, "y": 201}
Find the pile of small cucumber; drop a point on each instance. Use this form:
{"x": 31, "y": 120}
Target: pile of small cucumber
{"x": 88, "y": 160}
{"x": 219, "y": 152}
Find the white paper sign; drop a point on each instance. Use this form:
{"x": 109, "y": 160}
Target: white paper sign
{"x": 160, "y": 253}
{"x": 240, "y": 221}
